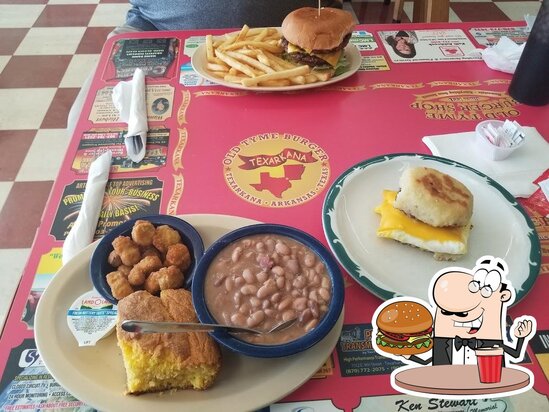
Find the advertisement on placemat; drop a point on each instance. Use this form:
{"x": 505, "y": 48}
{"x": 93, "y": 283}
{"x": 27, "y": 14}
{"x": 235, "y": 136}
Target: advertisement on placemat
{"x": 540, "y": 347}
{"x": 155, "y": 57}
{"x": 363, "y": 40}
{"x": 537, "y": 207}
{"x": 159, "y": 104}
{"x": 374, "y": 64}
{"x": 189, "y": 78}
{"x": 413, "y": 46}
{"x": 528, "y": 401}
{"x": 356, "y": 355}
{"x": 95, "y": 142}
{"x": 489, "y": 36}
{"x": 124, "y": 199}
{"x": 48, "y": 265}
{"x": 27, "y": 385}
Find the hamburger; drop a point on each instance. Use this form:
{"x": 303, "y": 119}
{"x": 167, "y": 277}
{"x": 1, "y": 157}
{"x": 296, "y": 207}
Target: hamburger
{"x": 317, "y": 38}
{"x": 404, "y": 328}
{"x": 431, "y": 211}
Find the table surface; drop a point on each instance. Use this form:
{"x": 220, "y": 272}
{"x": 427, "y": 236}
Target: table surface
{"x": 194, "y": 139}
{"x": 458, "y": 380}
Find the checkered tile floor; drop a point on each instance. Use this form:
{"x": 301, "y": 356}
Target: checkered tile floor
{"x": 47, "y": 49}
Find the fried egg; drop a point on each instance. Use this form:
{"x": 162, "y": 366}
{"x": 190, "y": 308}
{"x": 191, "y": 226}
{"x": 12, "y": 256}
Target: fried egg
{"x": 448, "y": 243}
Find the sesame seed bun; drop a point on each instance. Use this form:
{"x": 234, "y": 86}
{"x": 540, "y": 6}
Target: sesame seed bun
{"x": 434, "y": 198}
{"x": 404, "y": 317}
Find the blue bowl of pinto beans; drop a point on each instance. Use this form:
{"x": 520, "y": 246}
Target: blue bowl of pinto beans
{"x": 261, "y": 275}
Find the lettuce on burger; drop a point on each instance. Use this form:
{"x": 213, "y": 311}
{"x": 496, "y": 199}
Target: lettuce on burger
{"x": 317, "y": 38}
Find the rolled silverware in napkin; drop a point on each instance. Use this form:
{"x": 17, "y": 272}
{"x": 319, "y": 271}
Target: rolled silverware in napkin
{"x": 130, "y": 100}
{"x": 83, "y": 230}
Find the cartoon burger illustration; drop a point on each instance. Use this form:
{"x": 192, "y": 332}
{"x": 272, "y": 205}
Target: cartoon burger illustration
{"x": 404, "y": 328}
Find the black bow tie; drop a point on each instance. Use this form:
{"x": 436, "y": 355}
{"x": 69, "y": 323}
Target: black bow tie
{"x": 473, "y": 343}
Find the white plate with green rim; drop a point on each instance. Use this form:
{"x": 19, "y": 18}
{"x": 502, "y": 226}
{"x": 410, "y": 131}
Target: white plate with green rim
{"x": 387, "y": 268}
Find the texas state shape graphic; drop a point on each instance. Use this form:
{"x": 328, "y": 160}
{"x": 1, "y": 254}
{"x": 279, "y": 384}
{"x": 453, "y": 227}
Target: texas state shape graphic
{"x": 278, "y": 185}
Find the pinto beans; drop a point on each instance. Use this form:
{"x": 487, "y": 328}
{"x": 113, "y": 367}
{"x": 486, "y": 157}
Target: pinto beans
{"x": 262, "y": 280}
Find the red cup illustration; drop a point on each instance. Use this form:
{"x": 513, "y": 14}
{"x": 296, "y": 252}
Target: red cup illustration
{"x": 490, "y": 363}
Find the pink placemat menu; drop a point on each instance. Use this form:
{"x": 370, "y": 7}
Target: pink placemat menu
{"x": 272, "y": 157}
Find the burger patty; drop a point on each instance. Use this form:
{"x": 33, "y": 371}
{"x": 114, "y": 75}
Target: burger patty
{"x": 284, "y": 44}
{"x": 403, "y": 336}
{"x": 314, "y": 58}
{"x": 305, "y": 58}
{"x": 403, "y": 343}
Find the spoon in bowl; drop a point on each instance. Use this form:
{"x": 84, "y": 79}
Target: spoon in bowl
{"x": 140, "y": 326}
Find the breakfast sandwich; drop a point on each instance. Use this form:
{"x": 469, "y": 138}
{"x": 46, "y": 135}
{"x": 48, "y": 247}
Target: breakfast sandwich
{"x": 158, "y": 362}
{"x": 431, "y": 211}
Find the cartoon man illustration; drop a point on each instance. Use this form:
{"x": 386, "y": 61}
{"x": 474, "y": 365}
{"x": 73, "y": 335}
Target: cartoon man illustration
{"x": 470, "y": 311}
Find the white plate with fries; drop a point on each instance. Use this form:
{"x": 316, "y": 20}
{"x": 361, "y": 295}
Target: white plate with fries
{"x": 95, "y": 375}
{"x": 250, "y": 59}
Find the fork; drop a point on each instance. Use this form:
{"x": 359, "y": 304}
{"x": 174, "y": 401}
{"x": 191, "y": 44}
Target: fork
{"x": 140, "y": 326}
{"x": 136, "y": 143}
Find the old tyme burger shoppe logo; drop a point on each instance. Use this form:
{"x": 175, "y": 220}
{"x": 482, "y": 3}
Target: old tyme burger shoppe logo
{"x": 276, "y": 170}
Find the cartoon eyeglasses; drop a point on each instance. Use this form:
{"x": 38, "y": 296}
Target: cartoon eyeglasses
{"x": 485, "y": 281}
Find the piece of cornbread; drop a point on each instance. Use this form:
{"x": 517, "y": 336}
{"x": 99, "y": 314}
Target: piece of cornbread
{"x": 164, "y": 361}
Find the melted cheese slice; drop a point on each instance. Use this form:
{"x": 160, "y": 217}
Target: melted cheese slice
{"x": 412, "y": 339}
{"x": 397, "y": 225}
{"x": 330, "y": 58}
{"x": 292, "y": 48}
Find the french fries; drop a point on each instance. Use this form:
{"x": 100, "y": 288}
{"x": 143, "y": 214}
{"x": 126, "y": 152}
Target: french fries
{"x": 283, "y": 74}
{"x": 252, "y": 58}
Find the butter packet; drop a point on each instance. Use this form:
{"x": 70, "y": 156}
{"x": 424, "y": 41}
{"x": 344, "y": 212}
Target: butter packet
{"x": 91, "y": 317}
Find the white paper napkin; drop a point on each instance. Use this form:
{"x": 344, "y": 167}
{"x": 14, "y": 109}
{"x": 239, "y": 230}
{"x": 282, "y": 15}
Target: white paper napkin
{"x": 83, "y": 230}
{"x": 130, "y": 101}
{"x": 529, "y": 19}
{"x": 516, "y": 173}
{"x": 503, "y": 56}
